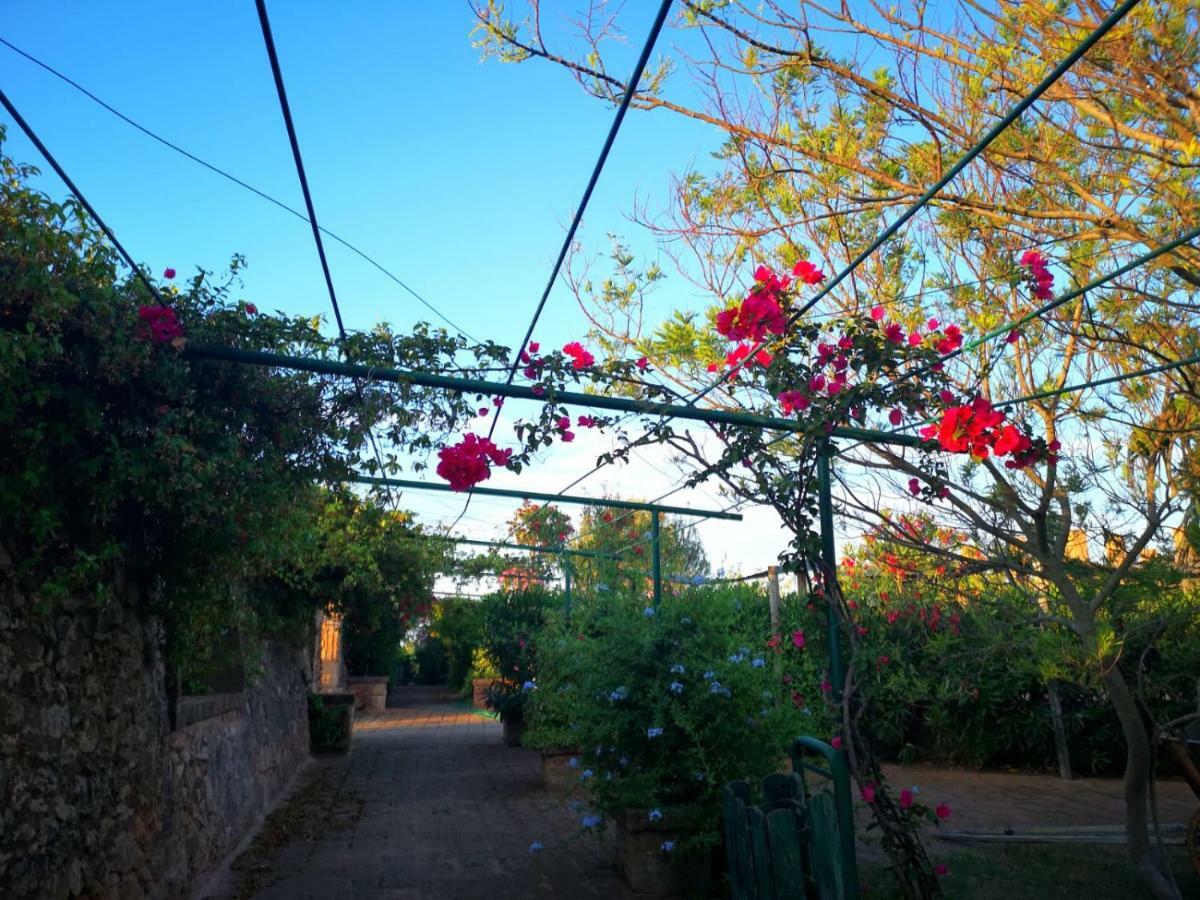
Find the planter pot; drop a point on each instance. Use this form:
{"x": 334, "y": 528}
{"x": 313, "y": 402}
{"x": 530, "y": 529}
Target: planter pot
{"x": 479, "y": 689}
{"x": 370, "y": 693}
{"x": 557, "y": 775}
{"x": 330, "y": 723}
{"x": 514, "y": 728}
{"x": 647, "y": 869}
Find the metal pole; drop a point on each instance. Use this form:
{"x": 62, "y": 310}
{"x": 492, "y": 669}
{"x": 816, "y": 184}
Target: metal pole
{"x": 566, "y": 566}
{"x": 837, "y": 668}
{"x": 656, "y": 557}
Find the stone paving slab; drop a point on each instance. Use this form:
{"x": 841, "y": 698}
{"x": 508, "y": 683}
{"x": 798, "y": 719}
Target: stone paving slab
{"x": 447, "y": 811}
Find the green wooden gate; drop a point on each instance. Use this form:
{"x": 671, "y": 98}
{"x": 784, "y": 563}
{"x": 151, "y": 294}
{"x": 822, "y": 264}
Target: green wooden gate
{"x": 797, "y": 843}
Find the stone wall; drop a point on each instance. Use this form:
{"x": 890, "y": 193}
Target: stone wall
{"x": 98, "y": 797}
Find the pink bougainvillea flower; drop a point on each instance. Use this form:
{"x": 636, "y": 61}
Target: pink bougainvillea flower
{"x": 798, "y": 640}
{"x": 895, "y": 416}
{"x": 534, "y": 346}
{"x": 483, "y": 411}
{"x": 469, "y": 462}
{"x": 868, "y": 792}
{"x": 932, "y": 325}
{"x": 951, "y": 341}
{"x": 642, "y": 363}
{"x": 497, "y": 402}
{"x": 538, "y": 390}
{"x": 567, "y": 436}
{"x": 945, "y": 396}
{"x": 168, "y": 273}
{"x": 942, "y": 811}
{"x": 914, "y": 339}
{"x": 877, "y": 313}
{"x": 816, "y": 383}
{"x": 1012, "y": 337}
{"x": 836, "y": 742}
{"x": 906, "y": 798}
{"x": 807, "y": 272}
{"x": 845, "y": 342}
{"x": 580, "y": 357}
{"x": 586, "y": 422}
{"x": 563, "y": 422}
{"x": 793, "y": 402}
{"x": 826, "y": 687}
{"x": 251, "y": 309}
{"x": 941, "y": 870}
{"x": 914, "y": 487}
{"x": 159, "y": 324}
{"x": 835, "y": 388}
{"x": 894, "y": 333}
{"x": 884, "y": 659}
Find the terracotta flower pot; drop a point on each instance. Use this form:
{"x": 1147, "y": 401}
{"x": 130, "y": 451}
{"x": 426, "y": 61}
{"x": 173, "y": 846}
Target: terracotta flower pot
{"x": 479, "y": 689}
{"x": 647, "y": 868}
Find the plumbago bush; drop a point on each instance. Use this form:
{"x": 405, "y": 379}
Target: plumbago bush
{"x": 664, "y": 706}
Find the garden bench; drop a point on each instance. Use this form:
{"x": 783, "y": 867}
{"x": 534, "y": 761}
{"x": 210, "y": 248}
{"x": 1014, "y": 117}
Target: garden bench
{"x": 797, "y": 843}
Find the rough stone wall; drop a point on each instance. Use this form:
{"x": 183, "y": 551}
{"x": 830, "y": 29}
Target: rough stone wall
{"x": 98, "y": 798}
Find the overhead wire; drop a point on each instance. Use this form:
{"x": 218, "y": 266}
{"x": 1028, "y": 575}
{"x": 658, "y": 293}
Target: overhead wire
{"x": 217, "y": 170}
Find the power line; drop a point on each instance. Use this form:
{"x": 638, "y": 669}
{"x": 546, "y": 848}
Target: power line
{"x": 238, "y": 181}
{"x": 83, "y": 201}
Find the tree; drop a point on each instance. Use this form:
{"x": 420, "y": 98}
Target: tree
{"x": 627, "y": 533}
{"x": 821, "y": 138}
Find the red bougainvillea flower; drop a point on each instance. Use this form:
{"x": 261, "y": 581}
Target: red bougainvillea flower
{"x": 894, "y": 333}
{"x": 586, "y": 422}
{"x": 168, "y": 273}
{"x": 642, "y": 363}
{"x": 914, "y": 487}
{"x": 534, "y": 346}
{"x": 941, "y": 870}
{"x": 836, "y": 742}
{"x": 774, "y": 641}
{"x": 497, "y": 402}
{"x": 807, "y": 272}
{"x": 251, "y": 309}
{"x": 759, "y": 314}
{"x": 798, "y": 640}
{"x": 895, "y": 417}
{"x": 564, "y": 422}
{"x": 942, "y": 811}
{"x": 607, "y": 517}
{"x": 580, "y": 357}
{"x": 906, "y": 798}
{"x": 469, "y": 462}
{"x": 914, "y": 339}
{"x": 567, "y": 436}
{"x": 159, "y": 324}
{"x": 483, "y": 411}
{"x": 741, "y": 353}
{"x": 877, "y": 313}
{"x": 793, "y": 402}
{"x": 826, "y": 687}
{"x": 1012, "y": 337}
{"x": 868, "y": 792}
{"x": 951, "y": 340}
{"x": 1040, "y": 275}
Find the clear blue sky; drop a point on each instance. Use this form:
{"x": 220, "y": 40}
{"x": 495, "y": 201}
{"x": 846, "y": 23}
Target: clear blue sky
{"x": 459, "y": 176}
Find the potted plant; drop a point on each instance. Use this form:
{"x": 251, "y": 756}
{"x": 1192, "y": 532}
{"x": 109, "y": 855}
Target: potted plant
{"x": 330, "y": 723}
{"x": 511, "y": 620}
{"x": 482, "y": 676}
{"x": 549, "y": 712}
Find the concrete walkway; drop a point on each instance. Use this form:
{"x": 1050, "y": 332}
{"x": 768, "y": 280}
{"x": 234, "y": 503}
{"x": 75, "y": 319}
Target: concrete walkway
{"x": 431, "y": 804}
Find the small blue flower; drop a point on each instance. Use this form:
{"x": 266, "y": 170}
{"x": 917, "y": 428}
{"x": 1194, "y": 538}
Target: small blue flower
{"x": 710, "y": 675}
{"x": 599, "y": 750}
{"x": 668, "y": 846}
{"x": 699, "y": 579}
{"x": 764, "y": 712}
{"x": 623, "y": 761}
{"x": 655, "y": 815}
{"x": 536, "y": 846}
{"x": 715, "y": 687}
{"x": 767, "y": 695}
{"x": 619, "y": 694}
{"x": 586, "y": 774}
{"x": 806, "y": 711}
{"x": 573, "y": 762}
{"x": 686, "y": 620}
{"x": 528, "y": 686}
{"x": 648, "y": 611}
{"x": 677, "y": 669}
{"x": 602, "y": 587}
{"x": 676, "y": 687}
{"x": 591, "y": 820}
{"x": 757, "y": 662}
{"x": 735, "y": 658}
{"x": 654, "y": 732}
{"x": 699, "y": 776}
{"x": 727, "y": 692}
{"x": 608, "y": 776}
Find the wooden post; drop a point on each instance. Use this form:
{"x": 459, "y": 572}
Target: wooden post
{"x": 773, "y": 596}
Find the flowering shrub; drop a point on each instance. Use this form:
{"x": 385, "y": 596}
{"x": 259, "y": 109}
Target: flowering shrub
{"x": 665, "y": 708}
{"x": 511, "y": 622}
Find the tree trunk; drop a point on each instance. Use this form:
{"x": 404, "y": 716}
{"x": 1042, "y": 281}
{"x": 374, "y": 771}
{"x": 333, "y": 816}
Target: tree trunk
{"x": 1138, "y": 760}
{"x": 1061, "y": 746}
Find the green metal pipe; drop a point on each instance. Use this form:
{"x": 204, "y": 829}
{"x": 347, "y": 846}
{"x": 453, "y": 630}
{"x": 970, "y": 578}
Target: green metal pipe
{"x": 502, "y": 545}
{"x": 837, "y": 667}
{"x": 566, "y": 567}
{"x": 559, "y": 498}
{"x": 656, "y": 556}
{"x": 520, "y": 392}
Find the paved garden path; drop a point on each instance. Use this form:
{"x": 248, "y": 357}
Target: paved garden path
{"x": 431, "y": 804}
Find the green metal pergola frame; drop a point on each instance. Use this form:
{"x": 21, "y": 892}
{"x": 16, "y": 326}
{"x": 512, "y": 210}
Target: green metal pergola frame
{"x": 655, "y": 509}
